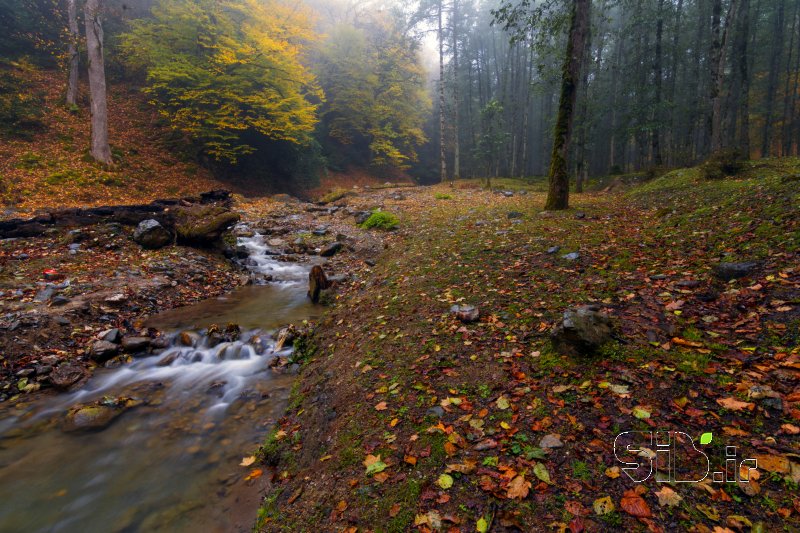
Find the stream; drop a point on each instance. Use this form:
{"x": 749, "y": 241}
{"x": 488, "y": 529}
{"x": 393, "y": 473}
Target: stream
{"x": 172, "y": 463}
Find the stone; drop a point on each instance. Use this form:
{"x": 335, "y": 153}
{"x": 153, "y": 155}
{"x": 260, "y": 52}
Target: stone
{"x": 317, "y": 282}
{"x": 97, "y": 416}
{"x": 277, "y": 243}
{"x": 553, "y": 250}
{"x": 135, "y": 344}
{"x": 102, "y": 351}
{"x": 203, "y": 225}
{"x": 43, "y": 370}
{"x": 111, "y": 335}
{"x": 436, "y": 411}
{"x": 658, "y": 277}
{"x": 552, "y": 440}
{"x": 466, "y": 313}
{"x": 189, "y": 338}
{"x": 508, "y": 194}
{"x": 515, "y": 214}
{"x": 687, "y": 283}
{"x": 59, "y": 300}
{"x": 285, "y": 199}
{"x": 331, "y": 249}
{"x": 730, "y": 271}
{"x": 362, "y": 216}
{"x": 580, "y": 215}
{"x": 319, "y": 232}
{"x": 67, "y": 376}
{"x": 152, "y": 235}
{"x": 44, "y": 294}
{"x": 573, "y": 256}
{"x": 582, "y": 331}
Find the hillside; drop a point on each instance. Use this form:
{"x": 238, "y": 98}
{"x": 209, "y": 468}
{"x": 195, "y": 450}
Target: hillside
{"x": 404, "y": 416}
{"x": 50, "y": 167}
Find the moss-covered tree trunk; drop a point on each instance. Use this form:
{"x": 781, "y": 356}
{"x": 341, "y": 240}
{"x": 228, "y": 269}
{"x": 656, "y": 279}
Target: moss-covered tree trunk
{"x": 558, "y": 193}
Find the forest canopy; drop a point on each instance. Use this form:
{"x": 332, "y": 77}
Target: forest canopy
{"x": 444, "y": 88}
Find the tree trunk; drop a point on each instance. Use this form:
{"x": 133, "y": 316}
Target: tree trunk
{"x": 772, "y": 83}
{"x": 719, "y": 78}
{"x": 744, "y": 78}
{"x": 456, "y": 125}
{"x": 786, "y": 95}
{"x": 72, "y": 52}
{"x": 100, "y": 149}
{"x": 658, "y": 73}
{"x": 558, "y": 193}
{"x": 442, "y": 160}
{"x": 714, "y": 66}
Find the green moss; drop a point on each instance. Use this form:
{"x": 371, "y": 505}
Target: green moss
{"x": 443, "y": 196}
{"x": 381, "y": 220}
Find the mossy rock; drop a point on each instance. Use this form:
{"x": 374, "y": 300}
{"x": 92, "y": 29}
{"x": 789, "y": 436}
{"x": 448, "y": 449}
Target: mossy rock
{"x": 203, "y": 225}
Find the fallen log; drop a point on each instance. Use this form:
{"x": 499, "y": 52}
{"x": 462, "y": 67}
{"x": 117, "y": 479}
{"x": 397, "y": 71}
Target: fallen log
{"x": 129, "y": 215}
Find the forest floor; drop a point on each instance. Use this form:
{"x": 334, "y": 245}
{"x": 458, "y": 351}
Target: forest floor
{"x": 403, "y": 417}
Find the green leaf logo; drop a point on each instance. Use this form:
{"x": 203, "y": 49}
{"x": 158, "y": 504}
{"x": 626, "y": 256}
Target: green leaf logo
{"x": 705, "y": 438}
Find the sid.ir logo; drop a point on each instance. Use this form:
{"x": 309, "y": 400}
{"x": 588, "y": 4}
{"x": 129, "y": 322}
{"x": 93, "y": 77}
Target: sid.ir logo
{"x": 673, "y": 457}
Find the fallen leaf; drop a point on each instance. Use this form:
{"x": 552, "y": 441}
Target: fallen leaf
{"x": 735, "y": 405}
{"x": 445, "y": 481}
{"x": 254, "y": 474}
{"x": 381, "y": 406}
{"x": 374, "y": 464}
{"x": 634, "y": 505}
{"x": 540, "y": 471}
{"x": 247, "y": 461}
{"x": 668, "y": 497}
{"x": 518, "y": 488}
{"x": 502, "y": 403}
{"x": 640, "y": 412}
{"x": 603, "y": 506}
{"x": 613, "y": 472}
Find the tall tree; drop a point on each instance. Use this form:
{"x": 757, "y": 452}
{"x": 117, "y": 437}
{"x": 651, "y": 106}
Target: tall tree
{"x": 775, "y": 55}
{"x": 742, "y": 38}
{"x": 100, "y": 148}
{"x": 72, "y": 52}
{"x": 558, "y": 191}
{"x": 658, "y": 74}
{"x": 442, "y": 147}
{"x": 456, "y": 117}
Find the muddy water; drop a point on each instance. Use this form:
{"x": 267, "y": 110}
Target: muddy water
{"x": 171, "y": 464}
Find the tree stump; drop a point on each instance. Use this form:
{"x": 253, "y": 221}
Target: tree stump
{"x": 317, "y": 282}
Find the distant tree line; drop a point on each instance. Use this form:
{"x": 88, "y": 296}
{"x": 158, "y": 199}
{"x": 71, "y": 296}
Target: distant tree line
{"x": 663, "y": 83}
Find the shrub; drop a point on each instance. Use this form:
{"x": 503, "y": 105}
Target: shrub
{"x": 722, "y": 164}
{"x": 381, "y": 220}
{"x": 336, "y": 194}
{"x": 443, "y": 196}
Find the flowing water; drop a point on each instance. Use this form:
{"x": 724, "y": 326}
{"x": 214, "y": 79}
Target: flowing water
{"x": 172, "y": 463}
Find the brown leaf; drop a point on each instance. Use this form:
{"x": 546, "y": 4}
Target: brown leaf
{"x": 518, "y": 488}
{"x": 668, "y": 497}
{"x": 735, "y": 405}
{"x": 634, "y": 505}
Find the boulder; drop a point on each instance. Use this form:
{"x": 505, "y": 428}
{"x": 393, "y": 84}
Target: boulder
{"x": 466, "y": 313}
{"x": 362, "y": 216}
{"x": 582, "y": 331}
{"x": 515, "y": 214}
{"x": 331, "y": 249}
{"x": 573, "y": 256}
{"x": 731, "y": 271}
{"x": 135, "y": 344}
{"x": 67, "y": 376}
{"x": 111, "y": 335}
{"x": 102, "y": 351}
{"x": 152, "y": 235}
{"x": 97, "y": 416}
{"x": 317, "y": 282}
{"x": 203, "y": 225}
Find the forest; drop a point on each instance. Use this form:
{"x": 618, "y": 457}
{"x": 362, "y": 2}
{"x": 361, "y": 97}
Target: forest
{"x": 382, "y": 266}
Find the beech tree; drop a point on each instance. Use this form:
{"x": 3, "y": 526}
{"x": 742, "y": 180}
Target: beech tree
{"x": 100, "y": 148}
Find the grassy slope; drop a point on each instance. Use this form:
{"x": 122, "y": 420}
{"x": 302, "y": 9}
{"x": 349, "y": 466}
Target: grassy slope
{"x": 389, "y": 351}
{"x": 52, "y": 169}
